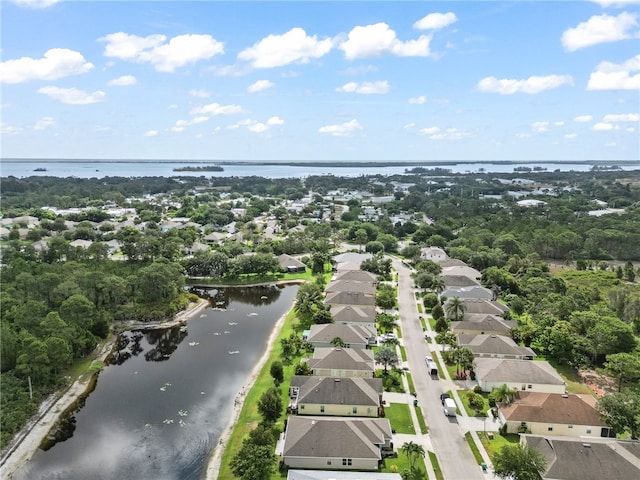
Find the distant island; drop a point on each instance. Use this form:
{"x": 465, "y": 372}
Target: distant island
{"x": 40, "y": 169}
{"x": 205, "y": 168}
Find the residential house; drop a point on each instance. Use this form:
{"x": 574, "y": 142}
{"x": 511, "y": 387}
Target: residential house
{"x": 79, "y": 243}
{"x": 354, "y": 315}
{"x": 586, "y": 459}
{"x": 475, "y": 291}
{"x": 486, "y": 307}
{"x": 342, "y": 475}
{"x": 336, "y": 443}
{"x": 435, "y": 254}
{"x": 346, "y": 396}
{"x": 554, "y": 414}
{"x": 357, "y": 276}
{"x": 465, "y": 270}
{"x": 290, "y": 264}
{"x": 526, "y": 375}
{"x": 196, "y": 247}
{"x": 366, "y": 288}
{"x": 483, "y": 324}
{"x": 342, "y": 362}
{"x": 353, "y": 336}
{"x": 350, "y": 298}
{"x": 458, "y": 281}
{"x": 495, "y": 346}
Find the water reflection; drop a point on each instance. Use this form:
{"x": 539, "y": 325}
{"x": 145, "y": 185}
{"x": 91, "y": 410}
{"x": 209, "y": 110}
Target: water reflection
{"x": 259, "y": 295}
{"x": 150, "y": 419}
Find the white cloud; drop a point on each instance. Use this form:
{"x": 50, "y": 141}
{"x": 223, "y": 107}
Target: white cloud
{"x": 165, "y": 56}
{"x": 346, "y": 129}
{"x": 429, "y": 130}
{"x": 56, "y": 63}
{"x": 151, "y": 133}
{"x": 199, "y": 93}
{"x": 523, "y": 135}
{"x": 615, "y": 3}
{"x": 570, "y": 136}
{"x": 434, "y": 133}
{"x": 365, "y": 88}
{"x": 531, "y": 85}
{"x": 600, "y": 29}
{"x": 73, "y": 96}
{"x": 122, "y": 81}
{"x": 7, "y": 129}
{"x": 35, "y": 3}
{"x": 275, "y": 121}
{"x": 259, "y": 86}
{"x": 417, "y": 100}
{"x": 409, "y": 126}
{"x": 622, "y": 117}
{"x": 182, "y": 124}
{"x": 216, "y": 109}
{"x": 44, "y": 123}
{"x": 295, "y": 46}
{"x": 542, "y": 127}
{"x": 378, "y": 39}
{"x": 612, "y": 76}
{"x": 604, "y": 127}
{"x": 583, "y": 118}
{"x": 435, "y": 21}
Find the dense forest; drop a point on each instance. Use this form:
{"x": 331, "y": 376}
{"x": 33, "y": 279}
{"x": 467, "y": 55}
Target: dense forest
{"x": 59, "y": 300}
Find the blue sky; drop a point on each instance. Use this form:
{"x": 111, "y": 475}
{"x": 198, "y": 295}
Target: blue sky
{"x": 321, "y": 80}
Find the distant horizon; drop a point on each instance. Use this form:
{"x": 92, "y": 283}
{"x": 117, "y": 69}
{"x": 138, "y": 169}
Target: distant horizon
{"x": 280, "y": 81}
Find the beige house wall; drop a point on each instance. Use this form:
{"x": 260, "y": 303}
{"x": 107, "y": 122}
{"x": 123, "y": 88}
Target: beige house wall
{"x": 535, "y": 387}
{"x": 333, "y": 463}
{"x": 563, "y": 430}
{"x": 337, "y": 410}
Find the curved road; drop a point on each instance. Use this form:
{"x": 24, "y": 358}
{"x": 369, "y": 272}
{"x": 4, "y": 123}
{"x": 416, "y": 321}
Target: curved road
{"x": 453, "y": 453}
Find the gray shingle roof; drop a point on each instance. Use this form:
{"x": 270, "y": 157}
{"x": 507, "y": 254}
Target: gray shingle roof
{"x": 358, "y": 276}
{"x": 350, "y": 334}
{"x": 368, "y": 288}
{"x": 493, "y": 345}
{"x": 350, "y": 298}
{"x": 340, "y": 391}
{"x": 484, "y": 323}
{"x": 353, "y": 314}
{"x": 342, "y": 359}
{"x": 516, "y": 371}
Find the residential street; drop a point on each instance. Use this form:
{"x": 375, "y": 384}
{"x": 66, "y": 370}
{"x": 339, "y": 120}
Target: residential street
{"x": 446, "y": 434}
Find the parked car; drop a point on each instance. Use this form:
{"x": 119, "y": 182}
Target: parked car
{"x": 449, "y": 407}
{"x": 443, "y": 397}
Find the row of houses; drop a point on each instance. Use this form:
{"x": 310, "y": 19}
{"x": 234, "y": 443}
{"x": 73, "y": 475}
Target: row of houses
{"x": 542, "y": 406}
{"x": 335, "y": 423}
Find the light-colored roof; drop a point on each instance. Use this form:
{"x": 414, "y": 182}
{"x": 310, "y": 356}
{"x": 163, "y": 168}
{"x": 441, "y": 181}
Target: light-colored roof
{"x": 342, "y": 359}
{"x": 339, "y": 391}
{"x": 475, "y": 291}
{"x": 516, "y": 371}
{"x": 493, "y": 344}
{"x": 352, "y": 257}
{"x": 475, "y": 305}
{"x": 349, "y": 298}
{"x": 353, "y": 314}
{"x": 484, "y": 323}
{"x": 357, "y": 275}
{"x": 341, "y": 475}
{"x": 351, "y": 334}
{"x": 368, "y": 288}
{"x": 462, "y": 270}
{"x": 553, "y": 408}
{"x": 321, "y": 437}
{"x": 458, "y": 281}
{"x": 288, "y": 261}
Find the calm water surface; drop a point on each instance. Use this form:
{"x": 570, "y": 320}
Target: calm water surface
{"x": 160, "y": 410}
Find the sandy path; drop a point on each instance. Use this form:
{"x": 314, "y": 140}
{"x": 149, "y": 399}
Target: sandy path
{"x": 28, "y": 440}
{"x": 213, "y": 469}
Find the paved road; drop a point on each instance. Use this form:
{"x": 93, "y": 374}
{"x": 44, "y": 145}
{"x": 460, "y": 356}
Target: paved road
{"x": 453, "y": 453}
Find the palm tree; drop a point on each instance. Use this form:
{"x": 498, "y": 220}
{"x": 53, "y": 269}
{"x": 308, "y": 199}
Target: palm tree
{"x": 412, "y": 451}
{"x": 504, "y": 394}
{"x": 455, "y": 308}
{"x": 338, "y": 342}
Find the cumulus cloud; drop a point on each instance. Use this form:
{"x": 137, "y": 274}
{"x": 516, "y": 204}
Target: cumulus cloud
{"x": 199, "y": 93}
{"x": 165, "y": 56}
{"x": 259, "y": 86}
{"x": 570, "y": 136}
{"x": 616, "y": 3}
{"x": 275, "y": 121}
{"x": 56, "y": 63}
{"x": 612, "y": 76}
{"x": 73, "y": 96}
{"x": 258, "y": 127}
{"x": 417, "y": 100}
{"x": 7, "y": 129}
{"x": 531, "y": 85}
{"x": 44, "y": 123}
{"x": 182, "y": 124}
{"x": 347, "y": 129}
{"x": 604, "y": 127}
{"x": 435, "y": 21}
{"x": 295, "y": 46}
{"x": 365, "y": 88}
{"x": 35, "y": 3}
{"x": 435, "y": 133}
{"x": 214, "y": 109}
{"x": 429, "y": 130}
{"x": 600, "y": 29}
{"x": 378, "y": 39}
{"x": 122, "y": 81}
{"x": 583, "y": 118}
{"x": 622, "y": 117}
{"x": 151, "y": 133}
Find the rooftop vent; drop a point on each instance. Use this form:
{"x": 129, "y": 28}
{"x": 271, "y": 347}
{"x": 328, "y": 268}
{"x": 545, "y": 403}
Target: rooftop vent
{"x": 586, "y": 445}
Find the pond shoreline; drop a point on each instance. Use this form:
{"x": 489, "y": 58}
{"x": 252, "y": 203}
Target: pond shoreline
{"x": 27, "y": 441}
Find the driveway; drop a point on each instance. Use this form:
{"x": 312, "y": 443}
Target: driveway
{"x": 446, "y": 434}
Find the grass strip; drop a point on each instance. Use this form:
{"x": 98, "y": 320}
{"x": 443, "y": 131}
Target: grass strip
{"x": 474, "y": 448}
{"x": 412, "y": 388}
{"x": 403, "y": 354}
{"x": 423, "y": 426}
{"x": 436, "y": 466}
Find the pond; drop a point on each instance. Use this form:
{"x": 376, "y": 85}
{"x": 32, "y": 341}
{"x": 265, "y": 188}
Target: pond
{"x": 159, "y": 410}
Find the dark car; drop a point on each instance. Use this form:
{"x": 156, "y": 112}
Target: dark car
{"x": 443, "y": 396}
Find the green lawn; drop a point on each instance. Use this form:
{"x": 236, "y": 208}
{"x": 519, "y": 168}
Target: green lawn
{"x": 497, "y": 442}
{"x": 412, "y": 388}
{"x": 423, "y": 323}
{"x": 436, "y": 466}
{"x": 468, "y": 409}
{"x": 400, "y": 417}
{"x": 474, "y": 448}
{"x": 421, "y": 422}
{"x": 392, "y": 381}
{"x": 397, "y": 465}
{"x": 570, "y": 375}
{"x": 403, "y": 354}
